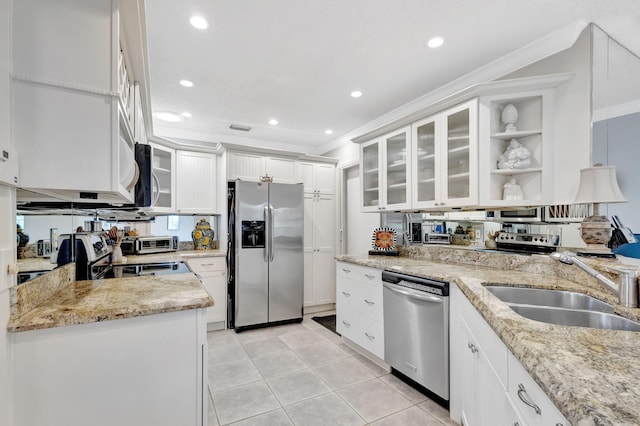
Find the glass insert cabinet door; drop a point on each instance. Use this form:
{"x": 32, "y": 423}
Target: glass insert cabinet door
{"x": 425, "y": 161}
{"x": 370, "y": 175}
{"x": 458, "y": 160}
{"x": 396, "y": 169}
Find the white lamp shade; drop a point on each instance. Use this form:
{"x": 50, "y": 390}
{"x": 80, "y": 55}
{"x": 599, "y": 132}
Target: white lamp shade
{"x": 599, "y": 184}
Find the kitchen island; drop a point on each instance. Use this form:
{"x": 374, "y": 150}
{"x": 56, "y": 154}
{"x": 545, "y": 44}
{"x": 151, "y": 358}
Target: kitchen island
{"x": 589, "y": 374}
{"x": 124, "y": 351}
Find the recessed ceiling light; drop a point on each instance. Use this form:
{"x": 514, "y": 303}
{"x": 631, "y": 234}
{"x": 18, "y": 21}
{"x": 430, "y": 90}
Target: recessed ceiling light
{"x": 273, "y": 122}
{"x": 199, "y": 22}
{"x": 328, "y": 132}
{"x": 186, "y": 83}
{"x": 186, "y": 115}
{"x": 170, "y": 117}
{"x": 356, "y": 94}
{"x": 435, "y": 42}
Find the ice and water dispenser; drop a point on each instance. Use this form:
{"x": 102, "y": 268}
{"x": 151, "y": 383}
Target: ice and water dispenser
{"x": 253, "y": 234}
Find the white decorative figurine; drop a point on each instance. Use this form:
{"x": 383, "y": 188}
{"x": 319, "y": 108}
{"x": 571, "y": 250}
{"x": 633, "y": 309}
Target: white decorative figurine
{"x": 515, "y": 156}
{"x": 512, "y": 191}
{"x": 509, "y": 117}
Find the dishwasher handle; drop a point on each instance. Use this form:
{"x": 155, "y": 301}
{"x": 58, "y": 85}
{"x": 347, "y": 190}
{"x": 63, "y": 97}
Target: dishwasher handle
{"x": 414, "y": 294}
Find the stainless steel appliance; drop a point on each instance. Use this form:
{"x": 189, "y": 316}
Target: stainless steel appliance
{"x": 437, "y": 238}
{"x": 146, "y": 245}
{"x": 527, "y": 243}
{"x": 534, "y": 215}
{"x": 265, "y": 253}
{"x": 416, "y": 330}
{"x": 83, "y": 248}
{"x": 139, "y": 270}
{"x": 43, "y": 248}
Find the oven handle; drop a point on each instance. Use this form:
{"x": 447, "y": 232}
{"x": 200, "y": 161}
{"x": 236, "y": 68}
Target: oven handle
{"x": 414, "y": 294}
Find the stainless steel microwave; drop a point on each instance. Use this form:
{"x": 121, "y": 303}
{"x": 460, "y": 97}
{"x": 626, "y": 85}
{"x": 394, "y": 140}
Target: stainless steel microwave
{"x": 534, "y": 215}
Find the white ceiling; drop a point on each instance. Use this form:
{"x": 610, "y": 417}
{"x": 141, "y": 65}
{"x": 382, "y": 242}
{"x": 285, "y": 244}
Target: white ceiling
{"x": 298, "y": 60}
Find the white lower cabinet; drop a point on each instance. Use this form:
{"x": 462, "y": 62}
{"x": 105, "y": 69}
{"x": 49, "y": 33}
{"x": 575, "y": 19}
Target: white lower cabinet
{"x": 359, "y": 313}
{"x": 212, "y": 272}
{"x": 148, "y": 370}
{"x": 486, "y": 377}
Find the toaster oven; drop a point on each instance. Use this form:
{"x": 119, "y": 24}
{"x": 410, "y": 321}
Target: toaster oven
{"x": 146, "y": 245}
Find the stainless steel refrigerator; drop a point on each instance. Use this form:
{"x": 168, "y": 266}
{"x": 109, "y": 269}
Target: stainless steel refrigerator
{"x": 266, "y": 235}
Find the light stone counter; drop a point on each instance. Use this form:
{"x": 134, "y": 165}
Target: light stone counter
{"x": 35, "y": 264}
{"x": 593, "y": 376}
{"x": 56, "y": 299}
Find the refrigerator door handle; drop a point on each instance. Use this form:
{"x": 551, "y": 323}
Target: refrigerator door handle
{"x": 267, "y": 246}
{"x": 270, "y": 233}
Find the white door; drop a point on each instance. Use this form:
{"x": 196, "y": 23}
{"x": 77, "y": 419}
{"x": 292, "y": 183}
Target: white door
{"x": 357, "y": 226}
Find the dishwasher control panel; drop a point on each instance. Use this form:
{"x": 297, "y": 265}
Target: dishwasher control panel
{"x": 427, "y": 285}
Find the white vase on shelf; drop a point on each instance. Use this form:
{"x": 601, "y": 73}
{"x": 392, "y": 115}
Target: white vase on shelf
{"x": 509, "y": 118}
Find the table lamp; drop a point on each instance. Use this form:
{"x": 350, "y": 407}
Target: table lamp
{"x": 598, "y": 184}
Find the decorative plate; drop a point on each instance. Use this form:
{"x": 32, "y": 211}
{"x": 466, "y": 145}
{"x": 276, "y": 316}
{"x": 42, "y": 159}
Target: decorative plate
{"x": 384, "y": 239}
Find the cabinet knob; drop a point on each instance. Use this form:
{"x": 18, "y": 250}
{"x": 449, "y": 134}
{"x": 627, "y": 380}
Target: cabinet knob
{"x": 346, "y": 271}
{"x": 346, "y": 294}
{"x": 346, "y": 324}
{"x": 369, "y": 336}
{"x": 368, "y": 302}
{"x": 473, "y": 347}
{"x": 369, "y": 276}
{"x": 522, "y": 394}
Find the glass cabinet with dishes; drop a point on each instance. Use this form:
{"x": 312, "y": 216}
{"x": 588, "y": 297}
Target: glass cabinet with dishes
{"x": 444, "y": 158}
{"x": 385, "y": 172}
{"x": 163, "y": 178}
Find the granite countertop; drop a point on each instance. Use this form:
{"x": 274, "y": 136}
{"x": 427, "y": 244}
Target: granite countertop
{"x": 56, "y": 299}
{"x": 591, "y": 375}
{"x": 35, "y": 264}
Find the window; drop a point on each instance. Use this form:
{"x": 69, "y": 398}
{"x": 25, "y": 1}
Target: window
{"x": 20, "y": 221}
{"x": 173, "y": 223}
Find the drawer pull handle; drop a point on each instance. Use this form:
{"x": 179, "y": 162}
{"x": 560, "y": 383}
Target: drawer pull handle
{"x": 346, "y": 294}
{"x": 368, "y": 302}
{"x": 522, "y": 394}
{"x": 346, "y": 324}
{"x": 207, "y": 264}
{"x": 346, "y": 271}
{"x": 473, "y": 347}
{"x": 370, "y": 337}
{"x": 369, "y": 276}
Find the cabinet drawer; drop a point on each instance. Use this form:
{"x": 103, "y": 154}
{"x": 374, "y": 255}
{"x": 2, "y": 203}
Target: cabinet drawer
{"x": 358, "y": 273}
{"x": 347, "y": 293}
{"x": 523, "y": 388}
{"x": 205, "y": 264}
{"x": 361, "y": 330}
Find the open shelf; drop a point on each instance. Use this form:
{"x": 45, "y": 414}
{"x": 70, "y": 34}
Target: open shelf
{"x": 507, "y": 136}
{"x": 516, "y": 171}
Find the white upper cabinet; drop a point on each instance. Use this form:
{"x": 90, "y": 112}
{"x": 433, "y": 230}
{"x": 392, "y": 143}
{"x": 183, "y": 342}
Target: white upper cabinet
{"x": 195, "y": 182}
{"x": 385, "y": 172}
{"x": 252, "y": 166}
{"x": 319, "y": 178}
{"x": 516, "y": 161}
{"x": 444, "y": 159}
{"x": 71, "y": 100}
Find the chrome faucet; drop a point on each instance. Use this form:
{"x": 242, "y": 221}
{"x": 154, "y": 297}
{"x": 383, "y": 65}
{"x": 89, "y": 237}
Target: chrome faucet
{"x": 626, "y": 289}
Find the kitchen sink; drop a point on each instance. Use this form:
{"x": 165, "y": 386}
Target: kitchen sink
{"x": 576, "y": 317}
{"x": 562, "y": 308}
{"x": 555, "y": 298}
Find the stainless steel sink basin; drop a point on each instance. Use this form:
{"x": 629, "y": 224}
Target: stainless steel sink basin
{"x": 562, "y": 308}
{"x": 556, "y": 298}
{"x": 576, "y": 317}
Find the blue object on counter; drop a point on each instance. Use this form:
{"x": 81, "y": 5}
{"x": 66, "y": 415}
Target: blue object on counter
{"x": 629, "y": 250}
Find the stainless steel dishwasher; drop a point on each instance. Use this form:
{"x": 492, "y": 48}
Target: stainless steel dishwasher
{"x": 416, "y": 329}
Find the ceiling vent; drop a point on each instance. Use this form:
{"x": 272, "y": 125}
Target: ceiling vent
{"x": 240, "y": 127}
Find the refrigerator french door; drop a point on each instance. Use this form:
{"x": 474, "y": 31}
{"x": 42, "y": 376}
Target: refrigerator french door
{"x": 269, "y": 264}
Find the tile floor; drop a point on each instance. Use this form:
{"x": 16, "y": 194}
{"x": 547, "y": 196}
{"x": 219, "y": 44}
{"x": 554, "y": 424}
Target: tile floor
{"x": 302, "y": 374}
